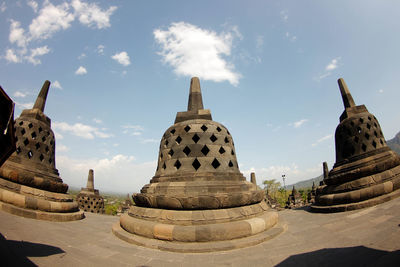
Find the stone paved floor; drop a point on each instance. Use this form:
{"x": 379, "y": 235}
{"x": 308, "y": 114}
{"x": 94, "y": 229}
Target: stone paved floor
{"x": 368, "y": 237}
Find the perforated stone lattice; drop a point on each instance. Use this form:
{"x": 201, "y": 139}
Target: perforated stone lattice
{"x": 196, "y": 145}
{"x": 35, "y": 142}
{"x": 90, "y": 203}
{"x": 357, "y": 135}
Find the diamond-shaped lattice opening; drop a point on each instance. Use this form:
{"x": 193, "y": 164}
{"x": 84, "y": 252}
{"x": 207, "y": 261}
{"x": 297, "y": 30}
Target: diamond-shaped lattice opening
{"x": 50, "y": 160}
{"x": 230, "y": 164}
{"x": 361, "y": 120}
{"x": 23, "y": 131}
{"x": 358, "y": 129}
{"x": 30, "y": 154}
{"x": 37, "y": 145}
{"x": 368, "y": 126}
{"x": 26, "y": 142}
{"x": 226, "y": 140}
{"x": 213, "y": 138}
{"x": 177, "y": 164}
{"x": 33, "y": 135}
{"x": 40, "y": 129}
{"x": 186, "y": 150}
{"x": 166, "y": 142}
{"x": 366, "y": 135}
{"x": 352, "y": 123}
{"x": 215, "y": 163}
{"x": 232, "y": 152}
{"x": 364, "y": 147}
{"x": 41, "y": 157}
{"x": 219, "y": 129}
{"x": 47, "y": 149}
{"x": 376, "y": 134}
{"x": 30, "y": 125}
{"x": 44, "y": 138}
{"x": 178, "y": 140}
{"x": 204, "y": 128}
{"x": 376, "y": 125}
{"x": 195, "y": 138}
{"x": 196, "y": 164}
{"x": 161, "y": 155}
{"x": 172, "y": 131}
{"x": 205, "y": 150}
{"x": 51, "y": 142}
{"x": 164, "y": 166}
{"x": 374, "y": 143}
{"x": 171, "y": 152}
{"x": 221, "y": 150}
{"x": 18, "y": 150}
{"x": 380, "y": 141}
{"x": 187, "y": 128}
{"x": 381, "y": 132}
{"x": 48, "y": 133}
{"x": 356, "y": 139}
{"x": 21, "y": 122}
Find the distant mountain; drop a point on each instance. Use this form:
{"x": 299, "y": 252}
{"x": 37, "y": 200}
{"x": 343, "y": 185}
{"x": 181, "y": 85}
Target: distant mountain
{"x": 394, "y": 143}
{"x": 306, "y": 183}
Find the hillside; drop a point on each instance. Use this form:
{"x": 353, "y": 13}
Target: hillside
{"x": 306, "y": 183}
{"x": 394, "y": 143}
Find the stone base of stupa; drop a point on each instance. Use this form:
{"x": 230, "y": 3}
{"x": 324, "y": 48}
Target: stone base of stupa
{"x": 199, "y": 230}
{"x": 34, "y": 203}
{"x": 360, "y": 193}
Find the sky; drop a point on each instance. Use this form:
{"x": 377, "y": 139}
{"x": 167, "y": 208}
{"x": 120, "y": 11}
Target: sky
{"x": 120, "y": 71}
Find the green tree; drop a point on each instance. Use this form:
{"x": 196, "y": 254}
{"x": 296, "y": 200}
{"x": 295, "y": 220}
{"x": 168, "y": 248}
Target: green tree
{"x": 271, "y": 187}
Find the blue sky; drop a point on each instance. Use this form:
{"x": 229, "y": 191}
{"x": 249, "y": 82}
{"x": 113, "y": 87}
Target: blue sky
{"x": 120, "y": 70}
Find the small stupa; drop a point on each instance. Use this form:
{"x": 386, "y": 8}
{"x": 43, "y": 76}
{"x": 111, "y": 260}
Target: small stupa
{"x": 89, "y": 199}
{"x": 30, "y": 184}
{"x": 198, "y": 200}
{"x": 367, "y": 171}
{"x": 7, "y": 135}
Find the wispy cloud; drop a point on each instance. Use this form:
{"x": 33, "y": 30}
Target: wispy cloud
{"x": 284, "y": 15}
{"x": 122, "y": 58}
{"x": 100, "y": 49}
{"x": 98, "y": 121}
{"x": 81, "y": 71}
{"x": 82, "y": 56}
{"x": 20, "y": 94}
{"x": 80, "y": 130}
{"x": 57, "y": 85}
{"x": 332, "y": 65}
{"x": 135, "y": 130}
{"x": 290, "y": 37}
{"x": 150, "y": 140}
{"x": 37, "y": 52}
{"x": 298, "y": 124}
{"x": 3, "y": 7}
{"x": 24, "y": 105}
{"x": 91, "y": 15}
{"x": 322, "y": 139}
{"x": 193, "y": 51}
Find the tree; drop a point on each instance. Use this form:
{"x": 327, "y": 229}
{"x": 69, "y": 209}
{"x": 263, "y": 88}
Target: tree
{"x": 271, "y": 187}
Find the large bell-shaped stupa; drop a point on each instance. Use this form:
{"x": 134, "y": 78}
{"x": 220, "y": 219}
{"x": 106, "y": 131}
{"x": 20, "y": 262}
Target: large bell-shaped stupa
{"x": 30, "y": 185}
{"x": 198, "y": 200}
{"x": 367, "y": 171}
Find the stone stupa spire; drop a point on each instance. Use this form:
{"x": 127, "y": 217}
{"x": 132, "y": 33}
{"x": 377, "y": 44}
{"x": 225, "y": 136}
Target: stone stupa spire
{"x": 348, "y": 101}
{"x": 41, "y": 99}
{"x": 89, "y": 199}
{"x": 90, "y": 182}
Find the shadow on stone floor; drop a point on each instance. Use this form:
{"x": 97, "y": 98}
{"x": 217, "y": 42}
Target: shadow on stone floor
{"x": 350, "y": 256}
{"x": 16, "y": 253}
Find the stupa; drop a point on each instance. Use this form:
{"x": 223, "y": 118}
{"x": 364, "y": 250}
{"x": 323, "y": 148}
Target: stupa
{"x": 30, "y": 185}
{"x": 198, "y": 200}
{"x": 89, "y": 199}
{"x": 367, "y": 171}
{"x": 7, "y": 135}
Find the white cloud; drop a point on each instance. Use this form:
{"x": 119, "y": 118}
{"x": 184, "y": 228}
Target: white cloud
{"x": 80, "y": 130}
{"x": 193, "y": 51}
{"x": 122, "y": 58}
{"x": 381, "y": 91}
{"x": 81, "y": 71}
{"x": 134, "y": 130}
{"x": 62, "y": 148}
{"x": 20, "y": 94}
{"x": 326, "y": 137}
{"x": 33, "y": 5}
{"x": 11, "y": 56}
{"x": 333, "y": 64}
{"x": 17, "y": 34}
{"x": 110, "y": 174}
{"x": 81, "y": 56}
{"x": 100, "y": 49}
{"x": 3, "y": 7}
{"x": 50, "y": 20}
{"x": 259, "y": 42}
{"x": 57, "y": 85}
{"x": 284, "y": 15}
{"x": 37, "y": 52}
{"x": 98, "y": 121}
{"x": 24, "y": 105}
{"x": 91, "y": 15}
{"x": 299, "y": 123}
{"x": 290, "y": 37}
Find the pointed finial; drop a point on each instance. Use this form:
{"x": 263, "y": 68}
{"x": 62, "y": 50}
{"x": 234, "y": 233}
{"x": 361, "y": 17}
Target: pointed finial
{"x": 253, "y": 178}
{"x": 41, "y": 99}
{"x": 346, "y": 96}
{"x": 325, "y": 169}
{"x": 195, "y": 99}
{"x": 90, "y": 180}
